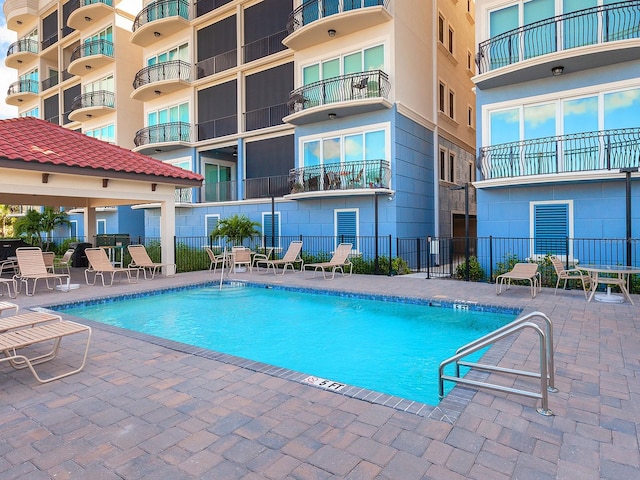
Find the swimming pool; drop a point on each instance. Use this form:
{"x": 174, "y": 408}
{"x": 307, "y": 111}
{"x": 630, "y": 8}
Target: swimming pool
{"x": 392, "y": 347}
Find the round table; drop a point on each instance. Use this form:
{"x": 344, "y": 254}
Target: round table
{"x": 621, "y": 279}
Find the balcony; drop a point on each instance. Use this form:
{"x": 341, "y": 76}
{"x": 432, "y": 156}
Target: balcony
{"x": 52, "y": 81}
{"x": 217, "y": 64}
{"x": 309, "y": 23}
{"x": 158, "y": 20}
{"x": 163, "y": 137}
{"x": 277, "y": 186}
{"x": 22, "y": 51}
{"x": 92, "y": 105}
{"x": 265, "y": 117}
{"x": 339, "y": 97}
{"x": 90, "y": 55}
{"x": 219, "y": 192}
{"x": 581, "y": 40}
{"x": 264, "y": 47}
{"x": 88, "y": 13}
{"x": 163, "y": 78}
{"x": 20, "y": 12}
{"x": 219, "y": 127}
{"x": 587, "y": 155}
{"x": 335, "y": 179}
{"x": 22, "y": 91}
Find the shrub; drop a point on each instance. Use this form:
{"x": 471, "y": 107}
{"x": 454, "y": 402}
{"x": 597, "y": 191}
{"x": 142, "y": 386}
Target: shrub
{"x": 476, "y": 273}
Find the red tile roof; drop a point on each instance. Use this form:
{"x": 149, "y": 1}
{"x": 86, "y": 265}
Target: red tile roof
{"x": 36, "y": 141}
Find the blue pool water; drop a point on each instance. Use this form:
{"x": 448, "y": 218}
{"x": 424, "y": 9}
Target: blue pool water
{"x": 388, "y": 347}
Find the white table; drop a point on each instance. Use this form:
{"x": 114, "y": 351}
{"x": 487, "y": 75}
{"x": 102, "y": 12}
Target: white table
{"x": 610, "y": 275}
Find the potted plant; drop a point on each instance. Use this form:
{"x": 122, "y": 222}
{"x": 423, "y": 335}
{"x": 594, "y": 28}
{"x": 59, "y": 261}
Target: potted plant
{"x": 297, "y": 187}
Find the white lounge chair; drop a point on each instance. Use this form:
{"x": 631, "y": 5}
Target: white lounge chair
{"x": 291, "y": 257}
{"x": 521, "y": 271}
{"x": 32, "y": 267}
{"x": 339, "y": 261}
{"x": 140, "y": 259}
{"x": 99, "y": 266}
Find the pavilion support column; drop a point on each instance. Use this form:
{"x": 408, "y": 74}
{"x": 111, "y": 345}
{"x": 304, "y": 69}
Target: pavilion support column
{"x": 90, "y": 225}
{"x": 168, "y": 232}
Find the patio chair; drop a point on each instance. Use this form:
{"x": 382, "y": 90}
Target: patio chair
{"x": 261, "y": 257}
{"x": 29, "y": 319}
{"x": 99, "y": 266}
{"x": 31, "y": 266}
{"x": 8, "y": 283}
{"x": 567, "y": 274}
{"x": 520, "y": 271}
{"x": 12, "y": 341}
{"x": 64, "y": 263}
{"x": 291, "y": 257}
{"x": 6, "y": 306}
{"x": 339, "y": 260}
{"x": 140, "y": 259}
{"x": 216, "y": 260}
{"x": 49, "y": 258}
{"x": 240, "y": 257}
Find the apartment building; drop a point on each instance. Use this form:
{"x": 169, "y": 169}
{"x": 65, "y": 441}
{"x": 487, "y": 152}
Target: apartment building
{"x": 323, "y": 117}
{"x": 558, "y": 93}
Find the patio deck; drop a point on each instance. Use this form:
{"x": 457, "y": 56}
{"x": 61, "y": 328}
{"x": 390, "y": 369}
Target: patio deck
{"x": 140, "y": 410}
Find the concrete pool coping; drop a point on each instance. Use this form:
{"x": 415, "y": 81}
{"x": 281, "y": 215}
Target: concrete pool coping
{"x": 139, "y": 410}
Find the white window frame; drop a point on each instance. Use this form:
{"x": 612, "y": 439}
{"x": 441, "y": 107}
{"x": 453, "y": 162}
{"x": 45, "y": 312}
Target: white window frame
{"x": 277, "y": 246}
{"x": 355, "y": 248}
{"x": 570, "y": 220}
{"x": 101, "y": 221}
{"x": 206, "y": 222}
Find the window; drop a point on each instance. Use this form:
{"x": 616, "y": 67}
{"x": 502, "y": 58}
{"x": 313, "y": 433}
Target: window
{"x": 550, "y": 227}
{"x": 166, "y": 121}
{"x": 351, "y": 147}
{"x": 364, "y": 60}
{"x": 105, "y": 133}
{"x": 469, "y": 61}
{"x": 450, "y": 40}
{"x": 210, "y": 223}
{"x": 101, "y": 226}
{"x": 73, "y": 228}
{"x": 346, "y": 227}
{"x": 472, "y": 172}
{"x": 180, "y": 52}
{"x": 469, "y": 6}
{"x": 441, "y": 96}
{"x": 452, "y": 167}
{"x": 29, "y": 81}
{"x": 447, "y": 165}
{"x": 470, "y": 116}
{"x": 440, "y": 29}
{"x": 34, "y": 112}
{"x": 271, "y": 225}
{"x": 452, "y": 104}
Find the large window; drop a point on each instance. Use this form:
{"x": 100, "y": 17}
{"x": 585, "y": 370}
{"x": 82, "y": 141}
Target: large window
{"x": 347, "y": 147}
{"x": 180, "y": 52}
{"x": 174, "y": 113}
{"x": 105, "y": 133}
{"x": 355, "y": 62}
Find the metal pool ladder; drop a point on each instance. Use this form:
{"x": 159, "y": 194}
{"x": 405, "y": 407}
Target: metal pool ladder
{"x": 545, "y": 374}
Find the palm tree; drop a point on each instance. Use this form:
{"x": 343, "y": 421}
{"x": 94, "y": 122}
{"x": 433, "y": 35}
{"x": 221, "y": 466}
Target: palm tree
{"x": 29, "y": 227}
{"x": 236, "y": 229}
{"x": 51, "y": 219}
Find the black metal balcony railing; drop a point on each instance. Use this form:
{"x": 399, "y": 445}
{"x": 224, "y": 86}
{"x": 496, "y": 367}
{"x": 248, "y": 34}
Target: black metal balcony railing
{"x": 604, "y": 150}
{"x": 355, "y": 86}
{"x": 52, "y": 81}
{"x": 23, "y": 86}
{"x": 93, "y": 47}
{"x": 262, "y": 187}
{"x": 50, "y": 40}
{"x": 161, "y": 9}
{"x": 216, "y": 64}
{"x": 313, "y": 10}
{"x": 591, "y": 26}
{"x": 171, "y": 70}
{"x": 219, "y": 192}
{"x": 265, "y": 117}
{"x": 23, "y": 45}
{"x": 85, "y": 3}
{"x": 264, "y": 47}
{"x": 341, "y": 176}
{"x": 99, "y": 98}
{"x": 205, "y": 6}
{"x": 218, "y": 127}
{"x": 163, "y": 133}
{"x": 66, "y": 75}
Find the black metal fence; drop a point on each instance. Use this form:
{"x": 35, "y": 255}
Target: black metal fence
{"x": 435, "y": 257}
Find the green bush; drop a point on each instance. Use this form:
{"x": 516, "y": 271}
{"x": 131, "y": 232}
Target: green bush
{"x": 476, "y": 273}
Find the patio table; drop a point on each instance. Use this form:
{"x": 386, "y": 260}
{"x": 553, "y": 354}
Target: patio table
{"x": 610, "y": 275}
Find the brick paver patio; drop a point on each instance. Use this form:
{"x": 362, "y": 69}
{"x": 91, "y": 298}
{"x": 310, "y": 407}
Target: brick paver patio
{"x": 140, "y": 410}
